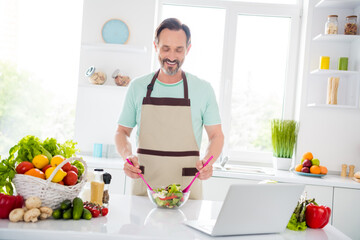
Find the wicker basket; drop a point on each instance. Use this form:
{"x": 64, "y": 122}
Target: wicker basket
{"x": 51, "y": 194}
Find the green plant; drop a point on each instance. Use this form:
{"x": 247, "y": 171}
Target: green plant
{"x": 283, "y": 135}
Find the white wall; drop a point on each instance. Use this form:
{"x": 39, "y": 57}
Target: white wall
{"x": 98, "y": 107}
{"x": 332, "y": 135}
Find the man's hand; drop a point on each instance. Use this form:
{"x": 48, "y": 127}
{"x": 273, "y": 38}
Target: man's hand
{"x": 205, "y": 172}
{"x": 132, "y": 171}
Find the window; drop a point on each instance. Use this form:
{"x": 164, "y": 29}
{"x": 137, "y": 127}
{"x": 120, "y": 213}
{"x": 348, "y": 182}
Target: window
{"x": 252, "y": 68}
{"x": 39, "y": 61}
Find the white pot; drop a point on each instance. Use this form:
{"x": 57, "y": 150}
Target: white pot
{"x": 282, "y": 163}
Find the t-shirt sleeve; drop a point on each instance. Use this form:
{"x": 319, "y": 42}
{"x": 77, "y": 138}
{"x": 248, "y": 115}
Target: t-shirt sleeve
{"x": 128, "y": 114}
{"x": 211, "y": 115}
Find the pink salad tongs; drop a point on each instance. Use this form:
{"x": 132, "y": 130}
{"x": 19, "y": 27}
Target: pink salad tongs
{"x": 141, "y": 176}
{"x": 197, "y": 174}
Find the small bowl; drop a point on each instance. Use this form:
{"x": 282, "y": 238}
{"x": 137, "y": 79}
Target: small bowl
{"x": 175, "y": 202}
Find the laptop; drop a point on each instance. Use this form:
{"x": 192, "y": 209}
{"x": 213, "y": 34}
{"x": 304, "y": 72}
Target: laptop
{"x": 253, "y": 209}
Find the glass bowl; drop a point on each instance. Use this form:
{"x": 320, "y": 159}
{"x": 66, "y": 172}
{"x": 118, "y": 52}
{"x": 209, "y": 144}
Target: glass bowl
{"x": 172, "y": 201}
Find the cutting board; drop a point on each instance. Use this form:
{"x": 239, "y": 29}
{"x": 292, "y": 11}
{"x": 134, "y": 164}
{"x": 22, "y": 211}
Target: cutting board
{"x": 356, "y": 179}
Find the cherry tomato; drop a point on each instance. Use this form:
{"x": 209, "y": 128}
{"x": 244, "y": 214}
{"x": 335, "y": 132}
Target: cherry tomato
{"x": 104, "y": 211}
{"x": 95, "y": 212}
{"x": 23, "y": 167}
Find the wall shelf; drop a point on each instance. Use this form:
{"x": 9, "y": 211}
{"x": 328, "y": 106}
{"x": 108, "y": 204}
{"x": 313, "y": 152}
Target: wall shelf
{"x": 338, "y": 4}
{"x": 316, "y": 105}
{"x": 323, "y": 72}
{"x": 336, "y": 37}
{"x": 113, "y": 48}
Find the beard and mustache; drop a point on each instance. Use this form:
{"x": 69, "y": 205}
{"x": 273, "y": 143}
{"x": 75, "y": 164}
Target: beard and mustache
{"x": 170, "y": 70}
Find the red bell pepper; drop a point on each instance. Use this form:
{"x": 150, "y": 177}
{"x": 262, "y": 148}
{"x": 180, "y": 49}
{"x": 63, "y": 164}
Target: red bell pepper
{"x": 168, "y": 198}
{"x": 317, "y": 216}
{"x": 8, "y": 203}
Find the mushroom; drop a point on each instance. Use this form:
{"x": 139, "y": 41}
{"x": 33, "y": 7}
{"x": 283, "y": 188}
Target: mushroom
{"x": 32, "y": 215}
{"x": 16, "y": 215}
{"x": 45, "y": 212}
{"x": 33, "y": 202}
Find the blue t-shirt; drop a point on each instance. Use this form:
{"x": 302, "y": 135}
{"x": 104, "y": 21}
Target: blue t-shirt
{"x": 204, "y": 108}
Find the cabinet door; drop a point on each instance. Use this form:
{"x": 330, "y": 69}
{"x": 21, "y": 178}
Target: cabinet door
{"x": 346, "y": 211}
{"x": 215, "y": 188}
{"x": 323, "y": 195}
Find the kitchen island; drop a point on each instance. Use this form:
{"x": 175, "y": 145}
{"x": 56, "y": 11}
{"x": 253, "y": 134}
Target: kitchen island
{"x": 132, "y": 217}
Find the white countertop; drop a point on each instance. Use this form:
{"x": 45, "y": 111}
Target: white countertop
{"x": 281, "y": 176}
{"x": 132, "y": 217}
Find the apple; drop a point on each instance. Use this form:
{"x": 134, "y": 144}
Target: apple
{"x": 305, "y": 170}
{"x": 307, "y": 163}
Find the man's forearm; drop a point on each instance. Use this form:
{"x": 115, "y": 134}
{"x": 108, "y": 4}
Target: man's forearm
{"x": 123, "y": 145}
{"x": 216, "y": 143}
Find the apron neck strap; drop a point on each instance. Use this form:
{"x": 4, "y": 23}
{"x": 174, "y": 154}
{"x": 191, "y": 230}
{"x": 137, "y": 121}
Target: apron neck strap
{"x": 150, "y": 87}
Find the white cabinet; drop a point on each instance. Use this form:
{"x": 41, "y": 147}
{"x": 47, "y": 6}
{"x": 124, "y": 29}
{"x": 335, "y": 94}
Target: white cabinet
{"x": 346, "y": 211}
{"x": 215, "y": 188}
{"x": 334, "y": 46}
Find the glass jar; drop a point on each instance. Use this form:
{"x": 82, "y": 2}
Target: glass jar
{"x": 97, "y": 187}
{"x": 331, "y": 26}
{"x": 106, "y": 195}
{"x": 350, "y": 25}
{"x": 97, "y": 78}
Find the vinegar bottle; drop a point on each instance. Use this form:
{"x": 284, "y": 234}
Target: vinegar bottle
{"x": 97, "y": 187}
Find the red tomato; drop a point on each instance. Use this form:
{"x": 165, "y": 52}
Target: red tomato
{"x": 73, "y": 168}
{"x": 104, "y": 211}
{"x": 23, "y": 167}
{"x": 46, "y": 167}
{"x": 70, "y": 178}
{"x": 66, "y": 167}
{"x": 61, "y": 182}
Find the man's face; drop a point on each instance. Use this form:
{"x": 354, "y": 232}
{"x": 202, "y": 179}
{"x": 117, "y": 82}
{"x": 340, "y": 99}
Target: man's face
{"x": 171, "y": 50}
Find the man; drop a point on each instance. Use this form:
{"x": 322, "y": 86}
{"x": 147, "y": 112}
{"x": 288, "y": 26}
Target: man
{"x": 170, "y": 108}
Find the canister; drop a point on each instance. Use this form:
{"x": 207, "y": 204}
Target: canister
{"x": 97, "y": 187}
{"x": 324, "y": 62}
{"x": 343, "y": 63}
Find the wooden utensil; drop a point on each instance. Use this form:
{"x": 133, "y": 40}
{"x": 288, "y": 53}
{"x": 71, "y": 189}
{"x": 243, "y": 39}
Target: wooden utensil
{"x": 343, "y": 170}
{"x": 351, "y": 171}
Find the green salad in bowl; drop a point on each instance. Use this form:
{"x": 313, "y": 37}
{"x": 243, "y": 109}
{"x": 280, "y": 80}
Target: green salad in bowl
{"x": 168, "y": 197}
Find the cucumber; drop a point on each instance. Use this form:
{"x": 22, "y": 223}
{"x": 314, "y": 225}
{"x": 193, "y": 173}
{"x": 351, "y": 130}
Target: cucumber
{"x": 68, "y": 214}
{"x": 86, "y": 214}
{"x": 78, "y": 208}
{"x": 57, "y": 214}
{"x": 65, "y": 205}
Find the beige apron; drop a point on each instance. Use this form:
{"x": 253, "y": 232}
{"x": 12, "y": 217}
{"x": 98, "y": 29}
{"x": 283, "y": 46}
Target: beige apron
{"x": 167, "y": 149}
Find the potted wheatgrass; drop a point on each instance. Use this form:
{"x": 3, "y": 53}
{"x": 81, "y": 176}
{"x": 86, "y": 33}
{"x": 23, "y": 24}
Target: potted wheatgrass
{"x": 283, "y": 138}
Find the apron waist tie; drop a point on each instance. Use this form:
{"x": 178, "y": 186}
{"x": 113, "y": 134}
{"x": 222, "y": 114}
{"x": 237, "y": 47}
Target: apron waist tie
{"x": 168, "y": 153}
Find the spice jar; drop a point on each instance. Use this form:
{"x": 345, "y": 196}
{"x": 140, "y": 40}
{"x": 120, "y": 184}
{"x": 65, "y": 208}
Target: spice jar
{"x": 97, "y": 187}
{"x": 106, "y": 196}
{"x": 350, "y": 25}
{"x": 97, "y": 78}
{"x": 331, "y": 26}
{"x": 120, "y": 79}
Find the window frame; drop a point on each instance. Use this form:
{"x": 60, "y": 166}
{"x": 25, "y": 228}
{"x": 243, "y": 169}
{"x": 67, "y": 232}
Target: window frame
{"x": 233, "y": 9}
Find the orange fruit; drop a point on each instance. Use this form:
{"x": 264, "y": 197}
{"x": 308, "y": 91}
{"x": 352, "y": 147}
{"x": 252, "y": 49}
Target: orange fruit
{"x": 323, "y": 170}
{"x": 40, "y": 161}
{"x": 315, "y": 169}
{"x": 308, "y": 156}
{"x": 298, "y": 167}
{"x": 56, "y": 160}
{"x": 35, "y": 173}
